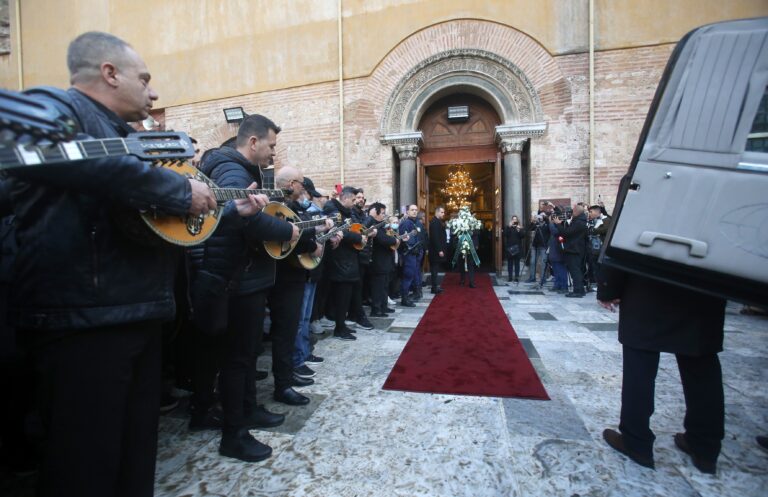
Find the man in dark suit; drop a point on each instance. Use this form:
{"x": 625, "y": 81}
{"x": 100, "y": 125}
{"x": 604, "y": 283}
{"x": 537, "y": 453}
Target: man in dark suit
{"x": 438, "y": 247}
{"x": 575, "y": 233}
{"x": 658, "y": 317}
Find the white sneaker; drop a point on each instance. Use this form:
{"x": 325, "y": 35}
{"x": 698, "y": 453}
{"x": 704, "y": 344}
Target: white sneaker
{"x": 316, "y": 328}
{"x": 350, "y": 323}
{"x": 391, "y": 302}
{"x": 326, "y": 323}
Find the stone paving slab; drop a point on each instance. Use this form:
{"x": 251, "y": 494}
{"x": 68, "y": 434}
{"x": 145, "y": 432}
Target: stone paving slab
{"x": 359, "y": 440}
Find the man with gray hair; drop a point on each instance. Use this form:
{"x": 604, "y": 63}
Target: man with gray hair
{"x": 88, "y": 297}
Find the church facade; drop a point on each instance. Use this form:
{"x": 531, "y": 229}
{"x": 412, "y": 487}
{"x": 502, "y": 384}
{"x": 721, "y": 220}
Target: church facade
{"x": 362, "y": 88}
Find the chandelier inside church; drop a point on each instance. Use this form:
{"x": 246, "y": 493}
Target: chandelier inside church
{"x": 459, "y": 188}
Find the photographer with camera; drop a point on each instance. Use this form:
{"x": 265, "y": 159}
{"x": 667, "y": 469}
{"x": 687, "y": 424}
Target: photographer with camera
{"x": 575, "y": 231}
{"x": 597, "y": 227}
{"x": 513, "y": 247}
{"x": 539, "y": 228}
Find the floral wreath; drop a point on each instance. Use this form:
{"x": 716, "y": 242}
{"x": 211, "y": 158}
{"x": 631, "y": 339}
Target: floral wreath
{"x": 463, "y": 225}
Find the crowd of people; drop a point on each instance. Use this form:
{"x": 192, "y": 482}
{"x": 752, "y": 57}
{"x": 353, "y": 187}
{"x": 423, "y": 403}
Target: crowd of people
{"x": 102, "y": 322}
{"x": 560, "y": 242}
{"x": 90, "y": 304}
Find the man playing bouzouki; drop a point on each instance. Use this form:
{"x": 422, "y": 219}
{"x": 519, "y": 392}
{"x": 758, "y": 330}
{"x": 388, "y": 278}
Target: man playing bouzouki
{"x": 231, "y": 278}
{"x": 89, "y": 299}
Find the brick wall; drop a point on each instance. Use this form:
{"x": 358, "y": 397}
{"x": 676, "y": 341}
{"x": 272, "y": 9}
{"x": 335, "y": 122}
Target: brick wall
{"x": 559, "y": 164}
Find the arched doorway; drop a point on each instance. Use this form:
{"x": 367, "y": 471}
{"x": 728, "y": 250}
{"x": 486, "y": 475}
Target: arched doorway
{"x": 469, "y": 144}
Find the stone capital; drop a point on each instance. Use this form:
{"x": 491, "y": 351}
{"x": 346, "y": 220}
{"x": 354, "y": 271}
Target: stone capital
{"x": 407, "y": 151}
{"x": 512, "y": 145}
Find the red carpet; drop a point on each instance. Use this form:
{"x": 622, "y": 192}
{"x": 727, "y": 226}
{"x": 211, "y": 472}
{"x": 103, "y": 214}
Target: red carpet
{"x": 464, "y": 344}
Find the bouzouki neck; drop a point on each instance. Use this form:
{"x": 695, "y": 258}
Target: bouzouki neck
{"x": 224, "y": 195}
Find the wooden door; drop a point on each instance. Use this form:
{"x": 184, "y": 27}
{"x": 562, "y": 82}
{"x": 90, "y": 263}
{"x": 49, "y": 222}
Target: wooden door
{"x": 422, "y": 187}
{"x": 499, "y": 222}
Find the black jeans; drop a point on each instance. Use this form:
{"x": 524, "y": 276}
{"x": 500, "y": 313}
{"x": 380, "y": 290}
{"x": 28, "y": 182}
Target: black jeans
{"x": 100, "y": 399}
{"x": 356, "y": 311}
{"x": 470, "y": 269}
{"x": 342, "y": 298}
{"x": 379, "y": 290}
{"x": 513, "y": 267}
{"x": 704, "y": 402}
{"x": 434, "y": 268}
{"x": 285, "y": 302}
{"x": 245, "y": 326}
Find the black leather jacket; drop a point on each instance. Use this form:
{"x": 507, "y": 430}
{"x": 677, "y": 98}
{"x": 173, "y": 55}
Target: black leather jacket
{"x": 575, "y": 234}
{"x": 76, "y": 267}
{"x": 233, "y": 258}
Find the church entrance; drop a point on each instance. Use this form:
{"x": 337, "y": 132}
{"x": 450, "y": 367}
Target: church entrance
{"x": 462, "y": 152}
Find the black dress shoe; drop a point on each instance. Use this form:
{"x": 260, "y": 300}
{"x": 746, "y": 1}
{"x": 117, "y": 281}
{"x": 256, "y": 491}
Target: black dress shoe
{"x": 407, "y": 303}
{"x": 261, "y": 375}
{"x": 378, "y": 314}
{"x": 261, "y": 418}
{"x": 291, "y": 397}
{"x": 204, "y": 418}
{"x": 388, "y": 310}
{"x": 437, "y": 291}
{"x": 616, "y": 441}
{"x": 472, "y": 285}
{"x": 574, "y": 295}
{"x": 298, "y": 381}
{"x": 241, "y": 445}
{"x": 708, "y": 467}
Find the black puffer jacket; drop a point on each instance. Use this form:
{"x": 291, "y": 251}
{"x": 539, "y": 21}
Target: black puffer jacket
{"x": 76, "y": 268}
{"x": 233, "y": 257}
{"x": 341, "y": 263}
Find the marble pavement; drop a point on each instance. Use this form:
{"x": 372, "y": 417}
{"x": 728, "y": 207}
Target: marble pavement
{"x": 355, "y": 439}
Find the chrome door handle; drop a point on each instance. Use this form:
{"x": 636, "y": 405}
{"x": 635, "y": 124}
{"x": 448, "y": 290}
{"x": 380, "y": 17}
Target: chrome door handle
{"x": 697, "y": 247}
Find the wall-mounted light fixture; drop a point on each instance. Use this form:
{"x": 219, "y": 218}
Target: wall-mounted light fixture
{"x": 234, "y": 115}
{"x": 458, "y": 113}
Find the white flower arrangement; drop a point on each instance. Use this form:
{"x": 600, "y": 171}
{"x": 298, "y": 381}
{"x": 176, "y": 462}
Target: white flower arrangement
{"x": 465, "y": 222}
{"x": 462, "y": 226}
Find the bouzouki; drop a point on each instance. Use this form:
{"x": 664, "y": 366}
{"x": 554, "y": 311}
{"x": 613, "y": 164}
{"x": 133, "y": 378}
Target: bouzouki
{"x": 362, "y": 230}
{"x": 25, "y": 117}
{"x": 400, "y": 237}
{"x": 150, "y": 146}
{"x": 310, "y": 261}
{"x": 281, "y": 250}
{"x": 191, "y": 230}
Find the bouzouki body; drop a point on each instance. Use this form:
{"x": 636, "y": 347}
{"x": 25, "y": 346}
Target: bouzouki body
{"x": 185, "y": 230}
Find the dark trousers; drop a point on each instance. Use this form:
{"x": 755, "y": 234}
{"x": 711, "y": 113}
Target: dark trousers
{"x": 379, "y": 291}
{"x": 237, "y": 388}
{"x": 342, "y": 298}
{"x": 410, "y": 277}
{"x": 356, "y": 311}
{"x": 573, "y": 264}
{"x": 513, "y": 267}
{"x": 320, "y": 307}
{"x": 704, "y": 403}
{"x": 207, "y": 354}
{"x": 434, "y": 268}
{"x": 470, "y": 269}
{"x": 285, "y": 301}
{"x": 100, "y": 398}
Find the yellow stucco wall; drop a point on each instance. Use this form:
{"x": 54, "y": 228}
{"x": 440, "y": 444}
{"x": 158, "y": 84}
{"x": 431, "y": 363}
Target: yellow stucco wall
{"x": 200, "y": 50}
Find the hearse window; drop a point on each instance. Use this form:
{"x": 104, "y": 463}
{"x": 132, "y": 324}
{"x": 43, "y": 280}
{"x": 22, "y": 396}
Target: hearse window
{"x": 757, "y": 139}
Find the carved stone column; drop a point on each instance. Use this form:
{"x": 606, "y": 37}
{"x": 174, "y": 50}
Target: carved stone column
{"x": 407, "y": 147}
{"x": 407, "y": 154}
{"x": 512, "y": 178}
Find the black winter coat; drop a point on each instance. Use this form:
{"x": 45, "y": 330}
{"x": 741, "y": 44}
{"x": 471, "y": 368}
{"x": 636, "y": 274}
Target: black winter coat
{"x": 575, "y": 235}
{"x": 341, "y": 263}
{"x": 661, "y": 317}
{"x": 233, "y": 258}
{"x": 513, "y": 237}
{"x": 76, "y": 267}
{"x": 437, "y": 242}
{"x": 383, "y": 261}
